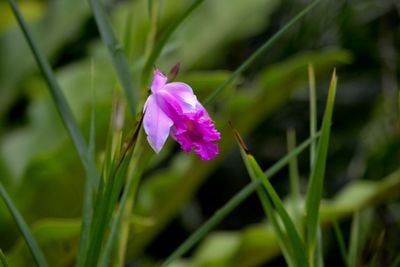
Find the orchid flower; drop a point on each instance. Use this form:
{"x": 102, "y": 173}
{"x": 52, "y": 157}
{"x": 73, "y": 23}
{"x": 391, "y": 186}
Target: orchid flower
{"x": 173, "y": 109}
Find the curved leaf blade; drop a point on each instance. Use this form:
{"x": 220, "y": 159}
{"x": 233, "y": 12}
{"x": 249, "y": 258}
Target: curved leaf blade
{"x": 24, "y": 229}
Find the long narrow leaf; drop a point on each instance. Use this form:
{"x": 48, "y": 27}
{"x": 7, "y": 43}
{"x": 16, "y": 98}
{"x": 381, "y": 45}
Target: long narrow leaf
{"x": 268, "y": 206}
{"x": 105, "y": 205}
{"x": 130, "y": 187}
{"x": 259, "y": 52}
{"x": 24, "y": 229}
{"x": 296, "y": 253}
{"x": 294, "y": 177}
{"x": 3, "y": 259}
{"x": 313, "y": 111}
{"x": 286, "y": 159}
{"x": 219, "y": 215}
{"x": 342, "y": 246}
{"x": 91, "y": 181}
{"x": 55, "y": 90}
{"x": 314, "y": 191}
{"x": 318, "y": 259}
{"x": 354, "y": 246}
{"x": 117, "y": 54}
{"x": 235, "y": 201}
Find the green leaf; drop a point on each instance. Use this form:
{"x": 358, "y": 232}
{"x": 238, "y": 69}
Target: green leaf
{"x": 354, "y": 246}
{"x": 54, "y": 24}
{"x": 91, "y": 183}
{"x": 315, "y": 185}
{"x": 235, "y": 201}
{"x": 3, "y": 259}
{"x": 55, "y": 90}
{"x": 58, "y": 239}
{"x": 342, "y": 245}
{"x": 219, "y": 215}
{"x": 258, "y": 243}
{"x": 24, "y": 229}
{"x": 117, "y": 54}
{"x": 313, "y": 111}
{"x": 318, "y": 258}
{"x": 294, "y": 177}
{"x": 109, "y": 190}
{"x": 290, "y": 241}
{"x": 127, "y": 195}
{"x": 259, "y": 52}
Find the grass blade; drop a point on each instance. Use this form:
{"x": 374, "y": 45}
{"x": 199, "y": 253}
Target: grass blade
{"x": 219, "y": 215}
{"x": 342, "y": 245}
{"x": 313, "y": 111}
{"x": 59, "y": 100}
{"x": 318, "y": 258}
{"x": 315, "y": 185}
{"x": 294, "y": 177}
{"x": 91, "y": 182}
{"x": 163, "y": 40}
{"x": 286, "y": 159}
{"x": 354, "y": 240}
{"x": 129, "y": 189}
{"x": 130, "y": 186}
{"x": 259, "y": 52}
{"x": 235, "y": 201}
{"x": 291, "y": 244}
{"x": 56, "y": 93}
{"x": 108, "y": 198}
{"x": 24, "y": 229}
{"x": 117, "y": 54}
{"x": 3, "y": 259}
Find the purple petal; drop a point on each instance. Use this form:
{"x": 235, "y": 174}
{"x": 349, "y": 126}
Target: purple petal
{"x": 156, "y": 124}
{"x": 196, "y": 131}
{"x": 206, "y": 151}
{"x": 159, "y": 80}
{"x": 170, "y": 105}
{"x": 183, "y": 93}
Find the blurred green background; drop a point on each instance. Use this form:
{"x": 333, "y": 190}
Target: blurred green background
{"x": 42, "y": 172}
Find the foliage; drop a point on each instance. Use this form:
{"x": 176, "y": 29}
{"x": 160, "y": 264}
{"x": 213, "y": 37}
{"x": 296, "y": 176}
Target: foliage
{"x": 250, "y": 61}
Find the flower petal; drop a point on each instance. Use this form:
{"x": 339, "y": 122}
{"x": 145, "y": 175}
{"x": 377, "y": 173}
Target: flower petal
{"x": 156, "y": 124}
{"x": 183, "y": 93}
{"x": 159, "y": 80}
{"x": 195, "y": 130}
{"x": 206, "y": 151}
{"x": 169, "y": 104}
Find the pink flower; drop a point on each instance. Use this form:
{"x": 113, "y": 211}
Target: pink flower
{"x": 173, "y": 109}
